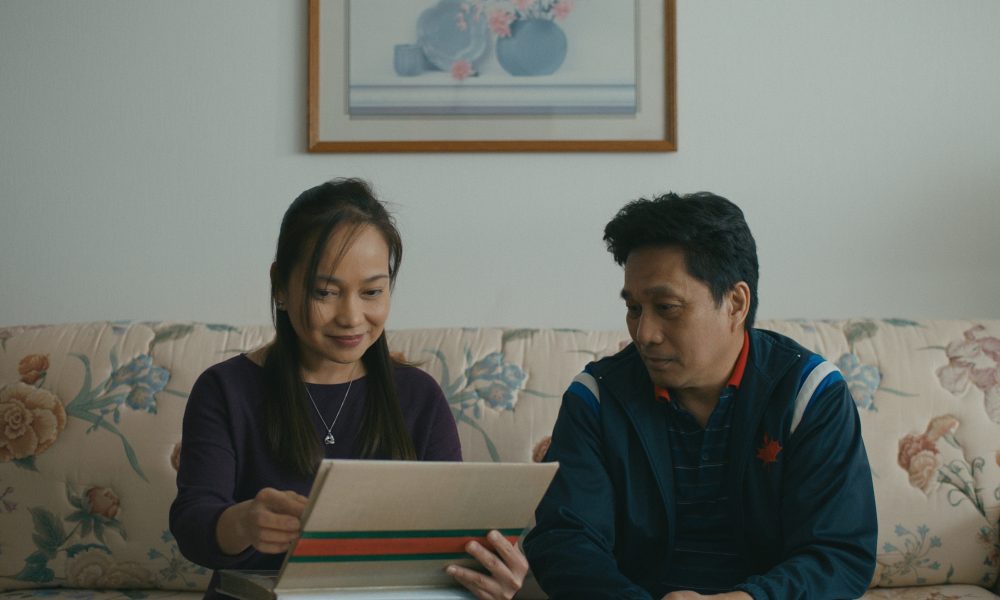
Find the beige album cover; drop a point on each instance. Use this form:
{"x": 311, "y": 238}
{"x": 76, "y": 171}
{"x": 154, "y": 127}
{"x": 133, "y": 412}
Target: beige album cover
{"x": 395, "y": 525}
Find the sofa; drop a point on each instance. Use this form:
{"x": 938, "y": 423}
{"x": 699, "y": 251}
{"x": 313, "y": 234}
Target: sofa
{"x": 90, "y": 426}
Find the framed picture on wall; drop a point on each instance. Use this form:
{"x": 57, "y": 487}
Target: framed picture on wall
{"x": 492, "y": 75}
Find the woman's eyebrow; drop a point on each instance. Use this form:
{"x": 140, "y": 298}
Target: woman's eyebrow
{"x": 334, "y": 279}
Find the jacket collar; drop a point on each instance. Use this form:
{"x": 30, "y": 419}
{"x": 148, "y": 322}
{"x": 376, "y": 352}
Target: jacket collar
{"x": 767, "y": 357}
{"x": 735, "y": 378}
{"x": 626, "y": 379}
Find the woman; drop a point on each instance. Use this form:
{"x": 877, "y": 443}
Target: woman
{"x": 256, "y": 425}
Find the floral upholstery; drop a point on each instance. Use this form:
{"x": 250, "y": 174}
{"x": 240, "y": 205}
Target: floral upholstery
{"x": 931, "y": 592}
{"x": 90, "y": 419}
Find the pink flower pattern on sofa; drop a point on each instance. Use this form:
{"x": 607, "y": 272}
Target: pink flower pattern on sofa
{"x": 31, "y": 420}
{"x": 920, "y": 456}
{"x": 975, "y": 359}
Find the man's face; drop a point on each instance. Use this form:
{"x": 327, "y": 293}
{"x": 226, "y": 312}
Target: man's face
{"x": 684, "y": 339}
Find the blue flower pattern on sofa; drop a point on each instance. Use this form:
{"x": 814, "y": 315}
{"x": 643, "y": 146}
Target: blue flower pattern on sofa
{"x": 176, "y": 568}
{"x": 132, "y": 385}
{"x": 72, "y": 549}
{"x": 862, "y": 379}
{"x": 913, "y": 551}
{"x": 490, "y": 382}
{"x": 144, "y": 379}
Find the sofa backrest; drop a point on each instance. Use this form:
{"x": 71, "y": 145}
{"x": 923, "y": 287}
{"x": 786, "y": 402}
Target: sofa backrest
{"x": 90, "y": 418}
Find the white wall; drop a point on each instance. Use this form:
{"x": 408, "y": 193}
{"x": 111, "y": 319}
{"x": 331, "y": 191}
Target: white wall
{"x": 149, "y": 148}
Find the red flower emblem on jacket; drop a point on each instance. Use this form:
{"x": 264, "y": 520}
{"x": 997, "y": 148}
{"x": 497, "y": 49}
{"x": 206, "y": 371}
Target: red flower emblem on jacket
{"x": 768, "y": 452}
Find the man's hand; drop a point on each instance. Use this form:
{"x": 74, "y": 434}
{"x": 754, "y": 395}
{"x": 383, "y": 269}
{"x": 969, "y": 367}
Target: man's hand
{"x": 505, "y": 563}
{"x": 270, "y": 522}
{"x": 697, "y": 596}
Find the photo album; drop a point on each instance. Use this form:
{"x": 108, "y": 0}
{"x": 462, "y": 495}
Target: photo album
{"x": 387, "y": 529}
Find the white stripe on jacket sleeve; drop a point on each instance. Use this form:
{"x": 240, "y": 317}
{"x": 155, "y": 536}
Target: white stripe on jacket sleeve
{"x": 809, "y": 387}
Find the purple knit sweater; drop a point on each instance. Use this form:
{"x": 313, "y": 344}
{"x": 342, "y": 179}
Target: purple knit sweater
{"x": 224, "y": 459}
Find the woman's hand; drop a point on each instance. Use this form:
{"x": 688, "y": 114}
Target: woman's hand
{"x": 506, "y": 564}
{"x": 270, "y": 522}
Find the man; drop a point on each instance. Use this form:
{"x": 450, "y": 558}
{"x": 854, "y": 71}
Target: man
{"x": 708, "y": 458}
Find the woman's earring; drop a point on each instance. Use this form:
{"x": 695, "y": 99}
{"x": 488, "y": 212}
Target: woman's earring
{"x": 280, "y": 305}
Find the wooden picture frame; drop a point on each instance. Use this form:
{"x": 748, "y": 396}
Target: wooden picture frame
{"x": 413, "y": 76}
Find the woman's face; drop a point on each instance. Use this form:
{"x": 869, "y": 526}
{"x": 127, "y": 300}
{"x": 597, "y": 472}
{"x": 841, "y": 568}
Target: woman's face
{"x": 347, "y": 306}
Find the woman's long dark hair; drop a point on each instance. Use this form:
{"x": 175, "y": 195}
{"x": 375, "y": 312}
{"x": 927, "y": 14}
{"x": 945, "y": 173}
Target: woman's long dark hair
{"x": 309, "y": 221}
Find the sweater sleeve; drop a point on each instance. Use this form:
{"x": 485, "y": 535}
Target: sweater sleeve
{"x": 439, "y": 440}
{"x": 206, "y": 477}
{"x": 829, "y": 519}
{"x": 428, "y": 416}
{"x": 570, "y": 549}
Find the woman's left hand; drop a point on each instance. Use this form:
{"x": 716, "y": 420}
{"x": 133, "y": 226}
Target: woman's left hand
{"x": 506, "y": 564}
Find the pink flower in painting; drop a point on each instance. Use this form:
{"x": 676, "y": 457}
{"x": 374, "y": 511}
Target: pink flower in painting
{"x": 504, "y": 12}
{"x": 460, "y": 22}
{"x": 461, "y": 69}
{"x": 561, "y": 9}
{"x": 500, "y": 21}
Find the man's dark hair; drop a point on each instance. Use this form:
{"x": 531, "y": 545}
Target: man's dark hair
{"x": 711, "y": 231}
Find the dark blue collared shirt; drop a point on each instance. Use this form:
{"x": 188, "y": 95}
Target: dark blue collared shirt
{"x": 705, "y": 559}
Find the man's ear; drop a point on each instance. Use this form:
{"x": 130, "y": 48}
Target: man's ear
{"x": 739, "y": 305}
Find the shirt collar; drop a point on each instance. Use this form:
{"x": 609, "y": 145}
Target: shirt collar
{"x": 734, "y": 380}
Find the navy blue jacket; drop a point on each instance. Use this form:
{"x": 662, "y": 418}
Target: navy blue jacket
{"x": 801, "y": 488}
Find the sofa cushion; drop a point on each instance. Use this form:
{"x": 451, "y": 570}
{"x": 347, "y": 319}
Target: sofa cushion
{"x": 931, "y": 592}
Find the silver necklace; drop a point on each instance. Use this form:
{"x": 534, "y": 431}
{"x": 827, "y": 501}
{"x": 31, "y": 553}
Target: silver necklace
{"x": 329, "y": 440}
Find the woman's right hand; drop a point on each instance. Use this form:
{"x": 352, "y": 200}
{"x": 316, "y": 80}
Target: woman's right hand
{"x": 270, "y": 522}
